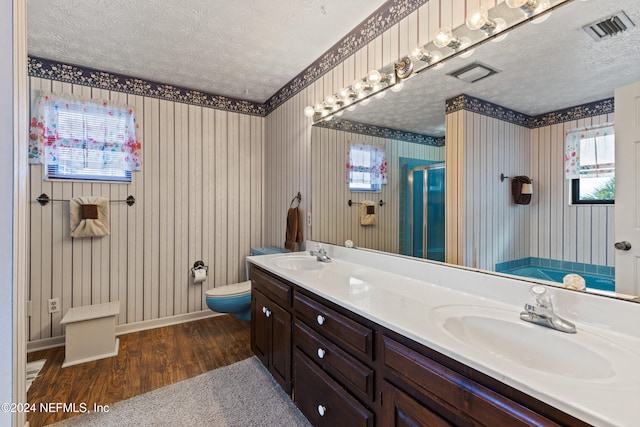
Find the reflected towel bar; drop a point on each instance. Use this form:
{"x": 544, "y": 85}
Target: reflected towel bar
{"x": 350, "y": 203}
{"x": 44, "y": 199}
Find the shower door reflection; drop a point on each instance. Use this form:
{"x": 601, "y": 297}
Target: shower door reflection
{"x": 426, "y": 190}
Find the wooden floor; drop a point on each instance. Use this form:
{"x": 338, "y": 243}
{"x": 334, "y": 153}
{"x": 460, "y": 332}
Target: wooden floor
{"x": 146, "y": 361}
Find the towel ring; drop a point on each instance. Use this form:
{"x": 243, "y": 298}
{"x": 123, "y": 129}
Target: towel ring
{"x": 298, "y": 197}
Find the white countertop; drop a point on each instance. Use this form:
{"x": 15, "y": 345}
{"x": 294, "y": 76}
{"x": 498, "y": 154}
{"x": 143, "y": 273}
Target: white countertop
{"x": 411, "y": 297}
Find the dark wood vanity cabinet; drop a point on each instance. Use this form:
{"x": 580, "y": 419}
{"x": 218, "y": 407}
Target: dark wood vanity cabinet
{"x": 271, "y": 325}
{"x": 344, "y": 370}
{"x": 332, "y": 364}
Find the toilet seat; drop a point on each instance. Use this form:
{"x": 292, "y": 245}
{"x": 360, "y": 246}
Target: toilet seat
{"x": 230, "y": 290}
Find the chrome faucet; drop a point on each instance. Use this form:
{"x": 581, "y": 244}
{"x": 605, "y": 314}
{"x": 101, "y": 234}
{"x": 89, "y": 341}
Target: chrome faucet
{"x": 320, "y": 254}
{"x": 542, "y": 312}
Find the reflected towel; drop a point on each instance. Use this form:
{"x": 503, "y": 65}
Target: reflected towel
{"x": 294, "y": 229}
{"x": 89, "y": 217}
{"x": 368, "y": 213}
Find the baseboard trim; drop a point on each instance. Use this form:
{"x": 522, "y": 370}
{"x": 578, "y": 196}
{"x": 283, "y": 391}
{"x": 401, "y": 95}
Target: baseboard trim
{"x": 128, "y": 328}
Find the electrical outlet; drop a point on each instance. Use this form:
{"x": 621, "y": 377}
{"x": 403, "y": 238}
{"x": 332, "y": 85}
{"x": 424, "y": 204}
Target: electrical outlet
{"x": 309, "y": 219}
{"x": 54, "y": 305}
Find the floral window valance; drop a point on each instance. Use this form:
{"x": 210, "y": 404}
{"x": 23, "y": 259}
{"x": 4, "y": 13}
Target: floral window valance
{"x": 72, "y": 133}
{"x": 590, "y": 153}
{"x": 366, "y": 167}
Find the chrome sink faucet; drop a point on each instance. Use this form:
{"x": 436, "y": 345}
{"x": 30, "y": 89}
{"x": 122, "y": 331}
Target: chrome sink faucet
{"x": 542, "y": 312}
{"x": 320, "y": 254}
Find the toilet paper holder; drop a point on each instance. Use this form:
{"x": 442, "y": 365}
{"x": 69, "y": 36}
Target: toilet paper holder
{"x": 198, "y": 265}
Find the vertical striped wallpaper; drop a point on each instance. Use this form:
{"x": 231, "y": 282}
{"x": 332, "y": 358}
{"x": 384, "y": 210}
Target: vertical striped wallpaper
{"x": 198, "y": 197}
{"x": 560, "y": 231}
{"x": 333, "y": 220}
{"x": 484, "y": 225}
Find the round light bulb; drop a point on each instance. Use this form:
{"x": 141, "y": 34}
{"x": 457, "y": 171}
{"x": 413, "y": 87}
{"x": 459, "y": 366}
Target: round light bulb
{"x": 344, "y": 93}
{"x": 358, "y": 85}
{"x": 478, "y": 19}
{"x": 318, "y": 107}
{"x": 309, "y": 111}
{"x": 330, "y": 100}
{"x": 374, "y": 77}
{"x": 443, "y": 38}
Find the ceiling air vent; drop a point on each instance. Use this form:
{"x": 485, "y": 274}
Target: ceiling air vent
{"x": 473, "y": 72}
{"x": 609, "y": 27}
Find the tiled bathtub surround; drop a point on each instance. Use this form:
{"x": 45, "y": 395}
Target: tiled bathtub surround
{"x": 574, "y": 267}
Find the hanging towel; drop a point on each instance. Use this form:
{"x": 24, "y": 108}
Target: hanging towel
{"x": 368, "y": 213}
{"x": 516, "y": 190}
{"x": 89, "y": 217}
{"x": 294, "y": 229}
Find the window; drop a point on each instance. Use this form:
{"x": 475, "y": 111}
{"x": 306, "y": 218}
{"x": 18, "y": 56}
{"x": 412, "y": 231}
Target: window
{"x": 84, "y": 140}
{"x": 366, "y": 167}
{"x": 590, "y": 165}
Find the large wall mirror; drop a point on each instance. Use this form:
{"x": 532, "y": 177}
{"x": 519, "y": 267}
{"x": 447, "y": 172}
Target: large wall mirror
{"x": 549, "y": 78}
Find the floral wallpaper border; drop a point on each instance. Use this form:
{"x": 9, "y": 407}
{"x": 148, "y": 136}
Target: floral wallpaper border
{"x": 382, "y": 132}
{"x": 470, "y": 103}
{"x": 46, "y": 69}
{"x": 382, "y": 19}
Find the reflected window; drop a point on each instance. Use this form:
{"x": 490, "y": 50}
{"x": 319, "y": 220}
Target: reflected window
{"x": 366, "y": 167}
{"x": 590, "y": 165}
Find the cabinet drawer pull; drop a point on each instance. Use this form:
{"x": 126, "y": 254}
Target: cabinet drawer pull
{"x": 268, "y": 313}
{"x": 320, "y": 319}
{"x": 264, "y": 309}
{"x": 322, "y": 410}
{"x": 321, "y": 353}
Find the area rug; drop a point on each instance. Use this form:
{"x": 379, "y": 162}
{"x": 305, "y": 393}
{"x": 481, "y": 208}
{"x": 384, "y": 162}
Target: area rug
{"x": 243, "y": 394}
{"x": 33, "y": 369}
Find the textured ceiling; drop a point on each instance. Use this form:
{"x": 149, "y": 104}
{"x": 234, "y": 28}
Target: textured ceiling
{"x": 246, "y": 49}
{"x": 543, "y": 67}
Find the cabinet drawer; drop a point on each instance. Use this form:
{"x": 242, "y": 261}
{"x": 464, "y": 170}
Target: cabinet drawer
{"x": 351, "y": 373}
{"x": 277, "y": 290}
{"x": 322, "y": 400}
{"x": 345, "y": 332}
{"x": 454, "y": 392}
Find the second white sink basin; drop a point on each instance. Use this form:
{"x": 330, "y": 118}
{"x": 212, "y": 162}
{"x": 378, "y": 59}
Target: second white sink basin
{"x": 297, "y": 262}
{"x": 503, "y": 335}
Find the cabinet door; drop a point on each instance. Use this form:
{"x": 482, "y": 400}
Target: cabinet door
{"x": 400, "y": 410}
{"x": 280, "y": 363}
{"x": 260, "y": 327}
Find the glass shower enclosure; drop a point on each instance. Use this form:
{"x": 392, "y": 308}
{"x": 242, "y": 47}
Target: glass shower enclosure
{"x": 426, "y": 204}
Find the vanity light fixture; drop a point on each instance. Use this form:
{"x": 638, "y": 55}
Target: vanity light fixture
{"x": 480, "y": 21}
{"x": 375, "y": 77}
{"x": 445, "y": 38}
{"x": 421, "y": 54}
{"x": 403, "y": 69}
{"x": 529, "y": 7}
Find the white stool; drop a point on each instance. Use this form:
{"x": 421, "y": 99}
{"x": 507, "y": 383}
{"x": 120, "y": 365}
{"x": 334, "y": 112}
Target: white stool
{"x": 90, "y": 333}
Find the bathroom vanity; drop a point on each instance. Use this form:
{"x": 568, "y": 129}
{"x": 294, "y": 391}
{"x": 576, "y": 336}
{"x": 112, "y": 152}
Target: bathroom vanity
{"x": 356, "y": 343}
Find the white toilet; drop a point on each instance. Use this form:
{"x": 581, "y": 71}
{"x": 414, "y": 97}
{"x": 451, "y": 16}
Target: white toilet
{"x": 234, "y": 299}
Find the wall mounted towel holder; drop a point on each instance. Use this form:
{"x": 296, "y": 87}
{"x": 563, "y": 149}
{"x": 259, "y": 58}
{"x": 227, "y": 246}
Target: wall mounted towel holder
{"x": 351, "y": 203}
{"x": 298, "y": 197}
{"x": 44, "y": 199}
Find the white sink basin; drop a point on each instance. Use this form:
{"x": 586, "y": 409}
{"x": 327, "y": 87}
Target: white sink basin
{"x": 297, "y": 262}
{"x": 502, "y": 335}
